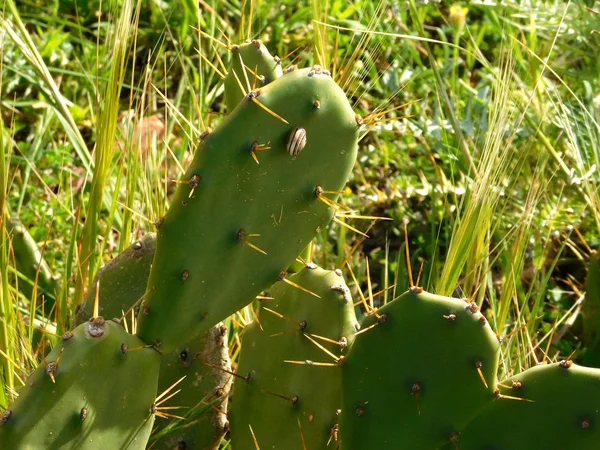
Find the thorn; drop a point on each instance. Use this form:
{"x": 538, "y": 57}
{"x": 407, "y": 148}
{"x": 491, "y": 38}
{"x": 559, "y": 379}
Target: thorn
{"x": 497, "y": 394}
{"x": 254, "y": 437}
{"x": 369, "y": 287}
{"x": 241, "y": 235}
{"x": 410, "y": 277}
{"x": 334, "y": 433}
{"x": 97, "y": 300}
{"x": 308, "y": 362}
{"x": 53, "y": 365}
{"x": 256, "y": 147}
{"x": 478, "y": 366}
{"x": 301, "y": 434}
{"x": 246, "y": 378}
{"x": 281, "y": 316}
{"x": 358, "y": 243}
{"x": 293, "y": 400}
{"x": 343, "y": 342}
{"x": 416, "y": 388}
{"x": 362, "y": 297}
{"x": 253, "y": 98}
{"x": 335, "y": 358}
{"x": 166, "y": 391}
{"x": 380, "y": 320}
{"x": 297, "y": 286}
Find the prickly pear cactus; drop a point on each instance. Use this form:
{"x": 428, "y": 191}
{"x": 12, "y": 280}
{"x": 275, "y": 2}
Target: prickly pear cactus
{"x": 555, "y": 406}
{"x": 293, "y": 405}
{"x": 29, "y": 262}
{"x": 95, "y": 391}
{"x": 120, "y": 282}
{"x": 418, "y": 372}
{"x": 205, "y": 364}
{"x": 241, "y": 215}
{"x": 591, "y": 315}
{"x": 259, "y": 68}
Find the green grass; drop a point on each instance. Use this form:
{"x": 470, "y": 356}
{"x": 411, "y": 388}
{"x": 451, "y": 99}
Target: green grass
{"x": 493, "y": 164}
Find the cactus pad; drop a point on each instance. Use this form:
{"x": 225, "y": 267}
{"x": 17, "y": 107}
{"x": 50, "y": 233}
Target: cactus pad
{"x": 234, "y": 225}
{"x": 411, "y": 381}
{"x": 94, "y": 392}
{"x": 122, "y": 281}
{"x": 260, "y": 68}
{"x": 560, "y": 410}
{"x": 287, "y": 403}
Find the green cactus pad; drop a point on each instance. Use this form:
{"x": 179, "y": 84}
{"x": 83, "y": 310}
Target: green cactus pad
{"x": 260, "y": 69}
{"x": 205, "y": 267}
{"x": 204, "y": 393}
{"x": 312, "y": 393}
{"x": 591, "y": 315}
{"x": 122, "y": 281}
{"x": 561, "y": 410}
{"x": 101, "y": 398}
{"x": 29, "y": 262}
{"x": 411, "y": 381}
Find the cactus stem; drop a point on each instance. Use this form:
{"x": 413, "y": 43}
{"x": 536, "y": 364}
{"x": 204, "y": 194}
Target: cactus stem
{"x": 254, "y": 437}
{"x": 335, "y": 358}
{"x": 293, "y": 400}
{"x": 416, "y": 388}
{"x": 478, "y": 366}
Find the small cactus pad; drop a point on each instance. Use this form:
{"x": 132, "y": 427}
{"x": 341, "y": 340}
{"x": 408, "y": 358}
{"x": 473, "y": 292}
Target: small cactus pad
{"x": 29, "y": 262}
{"x": 95, "y": 390}
{"x": 560, "y": 409}
{"x": 121, "y": 281}
{"x": 260, "y": 68}
{"x": 288, "y": 403}
{"x": 234, "y": 226}
{"x": 421, "y": 372}
{"x": 204, "y": 392}
{"x": 591, "y": 315}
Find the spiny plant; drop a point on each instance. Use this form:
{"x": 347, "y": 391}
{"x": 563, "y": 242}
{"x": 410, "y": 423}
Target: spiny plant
{"x": 287, "y": 195}
{"x": 311, "y": 133}
{"x": 279, "y": 399}
{"x": 31, "y": 266}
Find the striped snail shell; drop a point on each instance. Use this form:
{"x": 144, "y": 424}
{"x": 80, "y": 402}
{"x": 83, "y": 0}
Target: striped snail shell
{"x": 296, "y": 141}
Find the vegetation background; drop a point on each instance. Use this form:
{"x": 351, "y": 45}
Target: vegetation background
{"x": 481, "y": 144}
